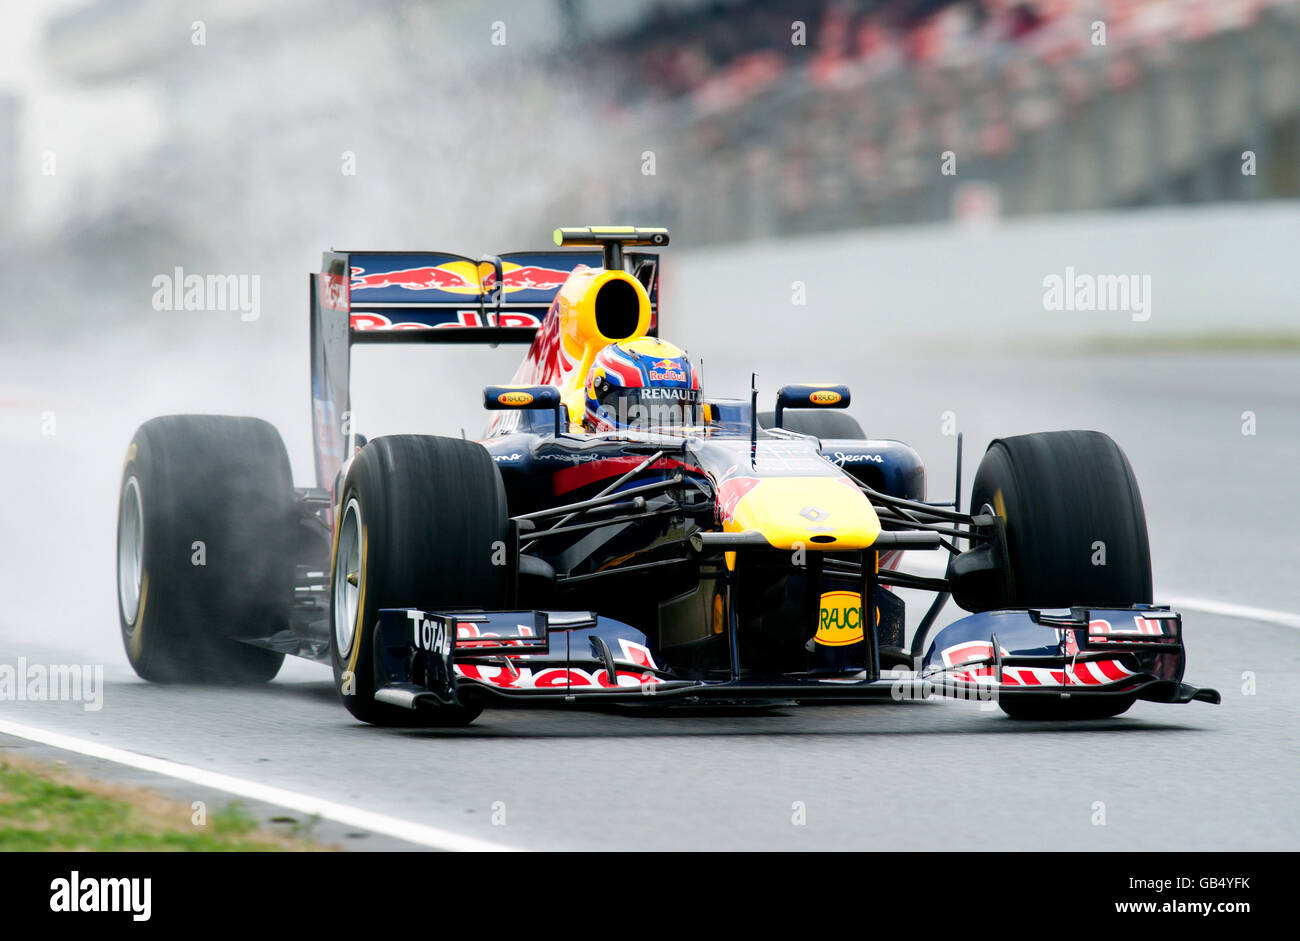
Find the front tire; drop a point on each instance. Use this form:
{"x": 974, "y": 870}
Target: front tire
{"x": 1076, "y": 530}
{"x": 1074, "y": 709}
{"x": 1076, "y": 535}
{"x": 204, "y": 550}
{"x": 421, "y": 522}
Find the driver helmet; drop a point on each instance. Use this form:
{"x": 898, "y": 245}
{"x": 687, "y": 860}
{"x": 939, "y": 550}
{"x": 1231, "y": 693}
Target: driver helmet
{"x": 645, "y": 383}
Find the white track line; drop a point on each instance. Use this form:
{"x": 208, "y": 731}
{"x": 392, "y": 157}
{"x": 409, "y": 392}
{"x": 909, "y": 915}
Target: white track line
{"x": 415, "y": 832}
{"x": 304, "y": 804}
{"x": 931, "y": 564}
{"x": 1228, "y": 609}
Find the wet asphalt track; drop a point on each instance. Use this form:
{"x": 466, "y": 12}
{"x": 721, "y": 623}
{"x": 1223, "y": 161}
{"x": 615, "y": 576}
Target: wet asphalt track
{"x": 913, "y": 776}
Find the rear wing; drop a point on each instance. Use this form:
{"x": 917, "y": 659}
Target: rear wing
{"x": 429, "y": 297}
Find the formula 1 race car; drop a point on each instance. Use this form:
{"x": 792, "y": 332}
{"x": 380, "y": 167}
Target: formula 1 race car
{"x": 722, "y": 556}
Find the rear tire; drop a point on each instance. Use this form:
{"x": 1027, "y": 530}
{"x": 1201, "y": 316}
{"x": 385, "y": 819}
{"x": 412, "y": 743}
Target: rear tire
{"x": 205, "y": 524}
{"x": 419, "y": 521}
{"x": 830, "y": 423}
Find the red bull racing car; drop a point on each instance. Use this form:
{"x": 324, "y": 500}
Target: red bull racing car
{"x": 619, "y": 535}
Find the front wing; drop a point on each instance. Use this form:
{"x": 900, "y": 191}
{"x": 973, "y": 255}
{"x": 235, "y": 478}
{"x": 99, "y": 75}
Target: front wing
{"x": 429, "y": 658}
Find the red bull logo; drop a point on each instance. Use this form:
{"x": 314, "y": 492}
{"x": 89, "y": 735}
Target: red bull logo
{"x": 533, "y": 278}
{"x": 667, "y": 370}
{"x": 461, "y": 277}
{"x": 428, "y": 278}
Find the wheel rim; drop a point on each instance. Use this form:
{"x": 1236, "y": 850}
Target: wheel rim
{"x": 130, "y": 551}
{"x": 347, "y": 578}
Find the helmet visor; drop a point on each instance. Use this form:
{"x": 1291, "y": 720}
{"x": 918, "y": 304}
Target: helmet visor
{"x": 652, "y": 407}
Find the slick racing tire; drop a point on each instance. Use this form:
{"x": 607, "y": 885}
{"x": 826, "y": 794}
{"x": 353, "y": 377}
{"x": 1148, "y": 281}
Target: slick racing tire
{"x": 1076, "y": 530}
{"x": 420, "y": 519}
{"x": 1073, "y": 709}
{"x": 204, "y": 548}
{"x": 831, "y": 423}
{"x": 1076, "y": 535}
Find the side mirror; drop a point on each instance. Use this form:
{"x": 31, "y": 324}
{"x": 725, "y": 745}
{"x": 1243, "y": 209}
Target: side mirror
{"x": 811, "y": 396}
{"x": 505, "y": 398}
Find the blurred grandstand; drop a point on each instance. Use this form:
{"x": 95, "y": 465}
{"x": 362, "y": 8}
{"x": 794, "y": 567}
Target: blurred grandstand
{"x": 1042, "y": 110}
{"x": 764, "y": 117}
